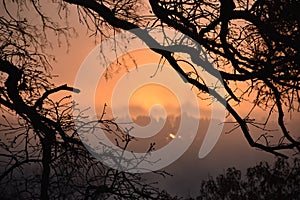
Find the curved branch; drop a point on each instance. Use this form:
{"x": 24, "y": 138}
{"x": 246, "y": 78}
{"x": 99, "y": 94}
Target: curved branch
{"x": 108, "y": 15}
{"x": 65, "y": 87}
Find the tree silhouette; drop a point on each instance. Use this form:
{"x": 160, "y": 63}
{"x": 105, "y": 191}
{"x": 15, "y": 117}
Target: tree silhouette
{"x": 280, "y": 181}
{"x": 41, "y": 154}
{"x": 254, "y": 46}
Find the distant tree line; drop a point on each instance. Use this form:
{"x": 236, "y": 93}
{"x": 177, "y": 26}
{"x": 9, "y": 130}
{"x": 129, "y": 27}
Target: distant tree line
{"x": 280, "y": 180}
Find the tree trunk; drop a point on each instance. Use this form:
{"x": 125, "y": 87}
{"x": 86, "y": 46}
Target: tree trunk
{"x": 46, "y": 145}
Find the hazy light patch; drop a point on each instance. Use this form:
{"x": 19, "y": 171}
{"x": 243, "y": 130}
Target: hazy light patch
{"x": 157, "y": 112}
{"x": 173, "y": 136}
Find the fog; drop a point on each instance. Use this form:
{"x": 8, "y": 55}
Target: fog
{"x": 231, "y": 150}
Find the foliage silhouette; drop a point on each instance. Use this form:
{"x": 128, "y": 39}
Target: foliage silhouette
{"x": 280, "y": 181}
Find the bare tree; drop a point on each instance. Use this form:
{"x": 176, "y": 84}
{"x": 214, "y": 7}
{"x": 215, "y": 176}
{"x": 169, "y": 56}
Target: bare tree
{"x": 254, "y": 46}
{"x": 41, "y": 154}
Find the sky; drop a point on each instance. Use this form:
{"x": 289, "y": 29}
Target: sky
{"x": 156, "y": 102}
{"x": 155, "y": 95}
{"x": 146, "y": 103}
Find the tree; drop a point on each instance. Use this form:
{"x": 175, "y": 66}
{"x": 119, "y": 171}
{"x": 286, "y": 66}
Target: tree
{"x": 254, "y": 45}
{"x": 41, "y": 154}
{"x": 280, "y": 181}
{"x": 255, "y": 53}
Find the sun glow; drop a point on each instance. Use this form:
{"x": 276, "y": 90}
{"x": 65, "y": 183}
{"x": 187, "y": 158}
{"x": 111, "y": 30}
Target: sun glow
{"x": 150, "y": 95}
{"x": 143, "y": 100}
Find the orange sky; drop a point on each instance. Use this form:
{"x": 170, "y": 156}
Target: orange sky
{"x": 147, "y": 94}
{"x": 229, "y": 149}
{"x": 68, "y": 63}
{"x": 68, "y": 60}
